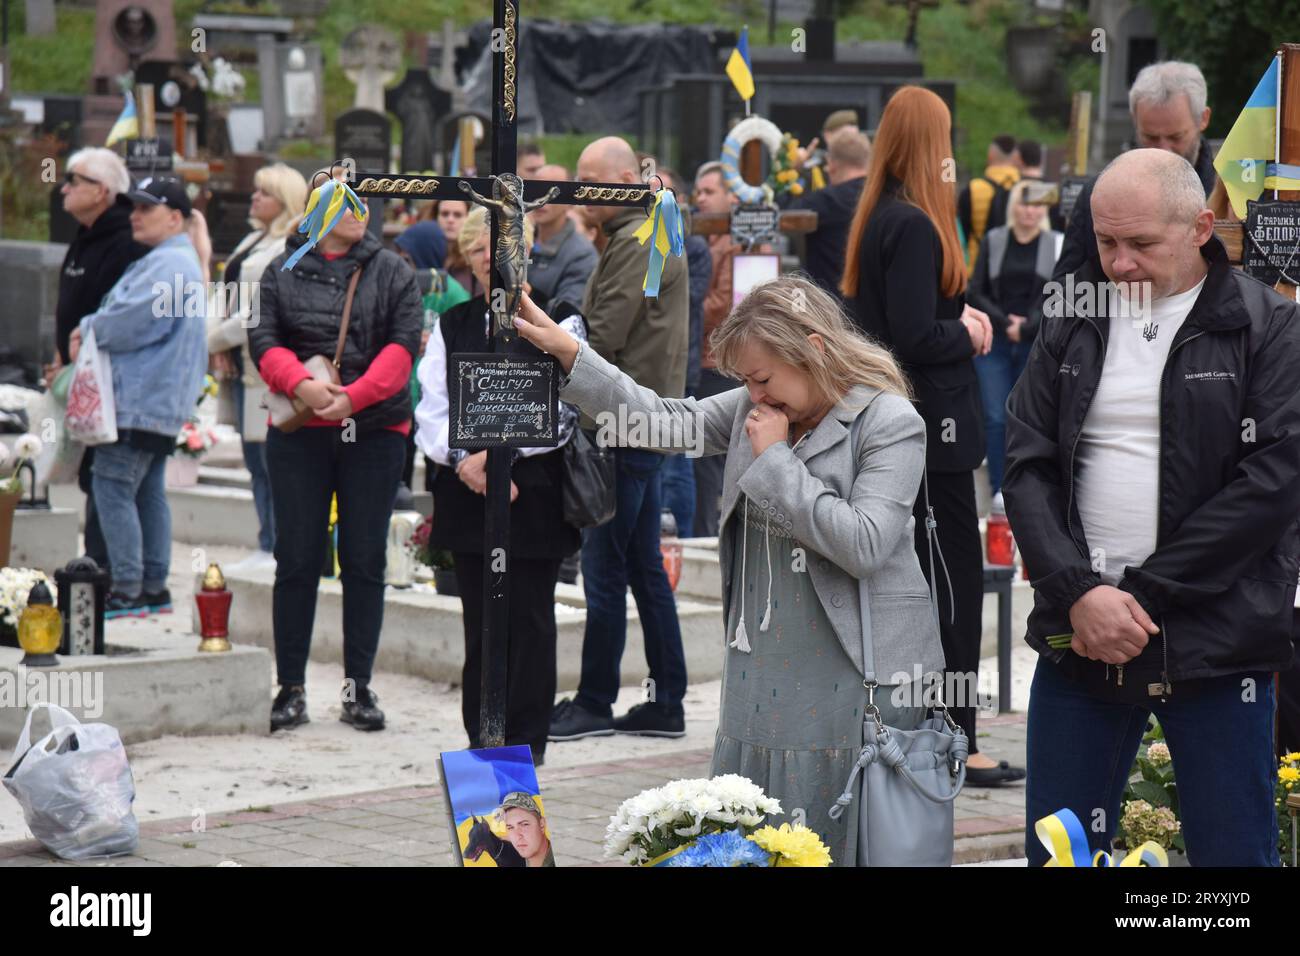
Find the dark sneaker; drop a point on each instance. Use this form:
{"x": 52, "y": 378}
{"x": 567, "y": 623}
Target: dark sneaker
{"x": 158, "y": 602}
{"x": 119, "y": 605}
{"x": 571, "y": 721}
{"x": 569, "y": 568}
{"x": 289, "y": 709}
{"x": 652, "y": 720}
{"x": 363, "y": 713}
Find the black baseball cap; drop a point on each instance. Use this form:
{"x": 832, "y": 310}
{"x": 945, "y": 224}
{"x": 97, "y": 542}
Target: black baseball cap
{"x": 161, "y": 191}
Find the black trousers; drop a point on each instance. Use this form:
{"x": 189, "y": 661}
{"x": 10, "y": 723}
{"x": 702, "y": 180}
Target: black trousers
{"x": 530, "y": 657}
{"x": 953, "y": 497}
{"x": 308, "y": 467}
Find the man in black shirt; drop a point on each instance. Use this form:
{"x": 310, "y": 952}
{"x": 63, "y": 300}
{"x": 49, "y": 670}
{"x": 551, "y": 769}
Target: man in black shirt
{"x": 846, "y": 167}
{"x": 94, "y": 193}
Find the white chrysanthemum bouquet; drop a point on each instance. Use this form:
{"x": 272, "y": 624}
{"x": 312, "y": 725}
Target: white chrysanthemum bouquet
{"x": 659, "y": 821}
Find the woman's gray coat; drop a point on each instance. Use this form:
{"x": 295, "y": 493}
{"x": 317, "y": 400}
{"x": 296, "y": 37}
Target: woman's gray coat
{"x": 851, "y": 507}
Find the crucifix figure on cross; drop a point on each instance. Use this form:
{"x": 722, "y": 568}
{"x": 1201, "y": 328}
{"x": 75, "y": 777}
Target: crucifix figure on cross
{"x": 511, "y": 252}
{"x": 514, "y": 360}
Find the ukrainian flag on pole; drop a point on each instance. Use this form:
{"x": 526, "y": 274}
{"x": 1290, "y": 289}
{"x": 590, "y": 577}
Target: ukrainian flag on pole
{"x": 738, "y": 67}
{"x": 127, "y": 125}
{"x": 1243, "y": 162}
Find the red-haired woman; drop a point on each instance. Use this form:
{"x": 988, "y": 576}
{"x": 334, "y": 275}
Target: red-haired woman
{"x": 904, "y": 283}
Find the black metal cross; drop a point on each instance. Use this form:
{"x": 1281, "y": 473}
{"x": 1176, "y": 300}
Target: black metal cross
{"x": 505, "y": 21}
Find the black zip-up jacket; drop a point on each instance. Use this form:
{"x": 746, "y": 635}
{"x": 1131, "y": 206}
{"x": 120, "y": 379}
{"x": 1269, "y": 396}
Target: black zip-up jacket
{"x": 301, "y": 310}
{"x": 96, "y": 259}
{"x": 1222, "y": 578}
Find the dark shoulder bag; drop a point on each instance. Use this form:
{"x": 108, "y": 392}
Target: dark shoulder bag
{"x": 589, "y": 476}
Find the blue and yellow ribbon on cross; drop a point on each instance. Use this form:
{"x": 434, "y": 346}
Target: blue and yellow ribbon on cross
{"x": 665, "y": 224}
{"x": 1063, "y": 836}
{"x": 324, "y": 209}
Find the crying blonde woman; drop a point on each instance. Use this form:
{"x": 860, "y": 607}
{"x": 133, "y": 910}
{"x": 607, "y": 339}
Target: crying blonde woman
{"x": 825, "y": 455}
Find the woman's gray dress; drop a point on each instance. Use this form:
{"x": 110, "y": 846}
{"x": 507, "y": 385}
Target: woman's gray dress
{"x": 792, "y": 710}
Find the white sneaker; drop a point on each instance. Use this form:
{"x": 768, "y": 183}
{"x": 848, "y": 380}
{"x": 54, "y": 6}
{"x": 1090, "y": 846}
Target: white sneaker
{"x": 257, "y": 561}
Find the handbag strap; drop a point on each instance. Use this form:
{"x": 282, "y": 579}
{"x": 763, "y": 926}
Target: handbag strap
{"x": 869, "y": 680}
{"x": 347, "y": 315}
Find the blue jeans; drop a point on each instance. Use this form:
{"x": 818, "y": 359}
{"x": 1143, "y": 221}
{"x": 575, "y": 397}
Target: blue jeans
{"x": 625, "y": 552}
{"x": 1082, "y": 745}
{"x": 255, "y": 462}
{"x": 307, "y": 467}
{"x": 997, "y": 373}
{"x": 130, "y": 489}
{"x": 677, "y": 491}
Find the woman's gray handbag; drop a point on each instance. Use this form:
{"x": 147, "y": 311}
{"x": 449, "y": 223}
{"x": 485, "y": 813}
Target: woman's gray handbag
{"x": 910, "y": 778}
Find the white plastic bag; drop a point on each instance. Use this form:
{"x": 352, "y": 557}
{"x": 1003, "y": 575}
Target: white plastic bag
{"x": 60, "y": 458}
{"x": 75, "y": 787}
{"x": 92, "y": 413}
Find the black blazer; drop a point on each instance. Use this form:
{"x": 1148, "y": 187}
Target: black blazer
{"x": 899, "y": 304}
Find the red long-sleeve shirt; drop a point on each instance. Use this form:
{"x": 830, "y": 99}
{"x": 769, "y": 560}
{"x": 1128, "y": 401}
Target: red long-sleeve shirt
{"x": 389, "y": 372}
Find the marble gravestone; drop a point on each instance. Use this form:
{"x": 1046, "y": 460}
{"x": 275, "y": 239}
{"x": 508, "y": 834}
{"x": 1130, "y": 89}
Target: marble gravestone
{"x": 127, "y": 31}
{"x": 293, "y": 102}
{"x": 365, "y": 137}
{"x": 370, "y": 57}
{"x": 40, "y": 17}
{"x": 417, "y": 103}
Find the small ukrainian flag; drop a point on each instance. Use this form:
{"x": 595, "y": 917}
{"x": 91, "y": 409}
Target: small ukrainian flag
{"x": 1243, "y": 162}
{"x": 738, "y": 67}
{"x": 127, "y": 125}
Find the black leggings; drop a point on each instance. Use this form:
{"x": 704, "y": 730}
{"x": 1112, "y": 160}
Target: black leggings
{"x": 953, "y": 497}
{"x": 530, "y": 658}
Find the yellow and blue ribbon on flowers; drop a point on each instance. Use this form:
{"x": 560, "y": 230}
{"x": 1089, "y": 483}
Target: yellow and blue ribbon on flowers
{"x": 1063, "y": 836}
{"x": 324, "y": 209}
{"x": 665, "y": 224}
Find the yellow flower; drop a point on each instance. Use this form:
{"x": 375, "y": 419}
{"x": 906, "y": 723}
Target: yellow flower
{"x": 797, "y": 189}
{"x": 1289, "y": 774}
{"x": 1292, "y": 757}
{"x": 793, "y": 846}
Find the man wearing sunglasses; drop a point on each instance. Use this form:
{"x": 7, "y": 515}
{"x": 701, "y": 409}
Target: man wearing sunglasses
{"x": 94, "y": 193}
{"x": 152, "y": 326}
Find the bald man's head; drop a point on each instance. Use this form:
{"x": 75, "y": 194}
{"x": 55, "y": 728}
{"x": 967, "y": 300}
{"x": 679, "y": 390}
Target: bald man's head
{"x": 1158, "y": 173}
{"x": 607, "y": 160}
{"x": 1150, "y": 219}
{"x": 551, "y": 214}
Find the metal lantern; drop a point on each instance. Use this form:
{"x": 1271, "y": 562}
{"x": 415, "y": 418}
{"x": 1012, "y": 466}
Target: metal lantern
{"x": 83, "y": 589}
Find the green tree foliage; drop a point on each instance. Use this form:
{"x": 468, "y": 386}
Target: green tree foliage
{"x": 1230, "y": 40}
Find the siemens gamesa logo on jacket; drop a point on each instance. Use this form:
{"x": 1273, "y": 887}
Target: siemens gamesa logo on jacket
{"x": 1222, "y": 376}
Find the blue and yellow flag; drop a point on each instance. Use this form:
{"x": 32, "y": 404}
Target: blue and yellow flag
{"x": 324, "y": 209}
{"x": 127, "y": 125}
{"x": 665, "y": 224}
{"x": 1244, "y": 162}
{"x": 738, "y": 67}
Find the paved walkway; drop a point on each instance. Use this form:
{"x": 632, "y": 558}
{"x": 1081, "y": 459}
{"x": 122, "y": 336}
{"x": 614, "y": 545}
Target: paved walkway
{"x": 408, "y": 826}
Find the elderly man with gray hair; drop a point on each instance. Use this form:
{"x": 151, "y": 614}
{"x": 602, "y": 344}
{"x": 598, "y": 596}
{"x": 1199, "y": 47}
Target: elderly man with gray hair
{"x": 1167, "y": 103}
{"x": 1153, "y": 482}
{"x": 94, "y": 193}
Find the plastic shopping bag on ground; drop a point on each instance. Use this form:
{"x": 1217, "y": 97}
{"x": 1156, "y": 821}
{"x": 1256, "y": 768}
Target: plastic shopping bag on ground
{"x": 75, "y": 787}
{"x": 92, "y": 412}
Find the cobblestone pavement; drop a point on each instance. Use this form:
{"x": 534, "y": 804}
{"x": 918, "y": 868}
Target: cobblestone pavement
{"x": 408, "y": 826}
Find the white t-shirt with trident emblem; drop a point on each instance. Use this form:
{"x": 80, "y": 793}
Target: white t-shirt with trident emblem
{"x": 1119, "y": 448}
